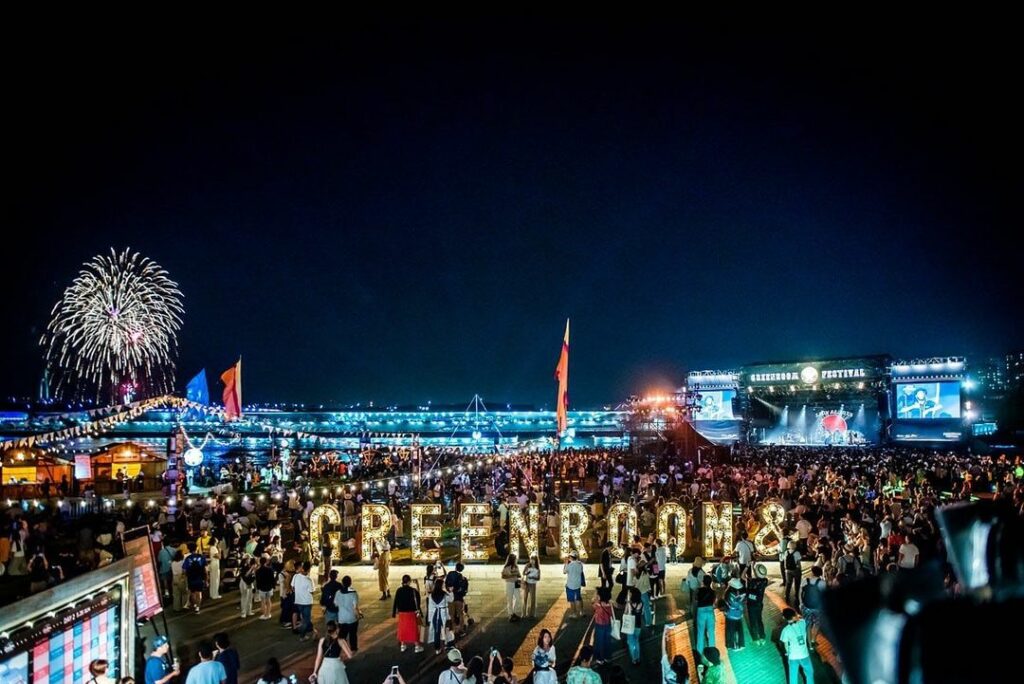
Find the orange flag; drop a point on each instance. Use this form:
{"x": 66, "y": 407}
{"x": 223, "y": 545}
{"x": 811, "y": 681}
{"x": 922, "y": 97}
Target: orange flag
{"x": 232, "y": 379}
{"x": 562, "y": 376}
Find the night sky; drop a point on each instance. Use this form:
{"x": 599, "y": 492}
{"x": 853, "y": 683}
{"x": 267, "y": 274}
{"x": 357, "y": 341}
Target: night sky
{"x": 403, "y": 212}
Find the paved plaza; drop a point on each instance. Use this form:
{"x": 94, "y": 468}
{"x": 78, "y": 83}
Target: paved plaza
{"x": 378, "y": 650}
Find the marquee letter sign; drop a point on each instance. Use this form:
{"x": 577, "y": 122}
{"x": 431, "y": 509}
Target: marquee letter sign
{"x": 321, "y": 515}
{"x": 573, "y": 524}
{"x": 771, "y": 515}
{"x": 717, "y": 528}
{"x": 523, "y": 530}
{"x": 469, "y": 532}
{"x": 374, "y": 533}
{"x": 615, "y": 513}
{"x": 421, "y": 531}
{"x": 665, "y": 514}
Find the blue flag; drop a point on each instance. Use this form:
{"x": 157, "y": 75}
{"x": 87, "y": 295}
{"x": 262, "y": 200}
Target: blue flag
{"x": 197, "y": 389}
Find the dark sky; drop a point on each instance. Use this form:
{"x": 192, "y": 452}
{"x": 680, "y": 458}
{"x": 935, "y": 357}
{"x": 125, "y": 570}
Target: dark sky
{"x": 409, "y": 211}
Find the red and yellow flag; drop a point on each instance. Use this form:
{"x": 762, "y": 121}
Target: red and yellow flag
{"x": 232, "y": 379}
{"x": 562, "y": 376}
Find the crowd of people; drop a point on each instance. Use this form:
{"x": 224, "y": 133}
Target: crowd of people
{"x": 849, "y": 513}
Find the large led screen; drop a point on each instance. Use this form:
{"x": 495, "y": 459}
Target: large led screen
{"x": 58, "y": 648}
{"x": 927, "y": 400}
{"x": 716, "y": 405}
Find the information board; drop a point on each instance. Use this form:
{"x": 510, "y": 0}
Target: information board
{"x": 145, "y": 581}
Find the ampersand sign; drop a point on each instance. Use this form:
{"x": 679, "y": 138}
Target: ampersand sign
{"x": 771, "y": 515}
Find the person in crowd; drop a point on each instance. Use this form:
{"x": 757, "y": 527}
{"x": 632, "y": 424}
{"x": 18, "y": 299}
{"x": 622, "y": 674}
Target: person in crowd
{"x": 705, "y": 615}
{"x": 475, "y": 671}
{"x": 437, "y": 615}
{"x": 659, "y": 569}
{"x": 581, "y": 672}
{"x": 794, "y": 640}
{"x": 272, "y": 673}
{"x": 266, "y": 580}
{"x": 575, "y": 580}
{"x": 456, "y": 673}
{"x": 603, "y": 616}
{"x": 544, "y": 659}
{"x": 793, "y": 573}
{"x": 302, "y": 588}
{"x": 194, "y": 568}
{"x": 635, "y": 609}
{"x": 735, "y": 603}
{"x": 331, "y": 652}
{"x": 347, "y": 602}
{"x": 225, "y": 654}
{"x": 98, "y": 672}
{"x": 456, "y": 584}
{"x": 744, "y": 550}
{"x": 207, "y": 670}
{"x": 693, "y": 582}
{"x": 158, "y": 670}
{"x": 674, "y": 670}
{"x": 711, "y": 666}
{"x": 246, "y": 585}
{"x": 383, "y": 563}
{"x": 510, "y": 573}
{"x": 810, "y": 604}
{"x": 756, "y": 586}
{"x": 407, "y": 608}
{"x": 327, "y": 594}
{"x": 214, "y": 554}
{"x": 604, "y": 571}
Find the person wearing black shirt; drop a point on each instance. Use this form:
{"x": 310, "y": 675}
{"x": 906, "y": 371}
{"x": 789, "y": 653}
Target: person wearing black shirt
{"x": 757, "y": 582}
{"x": 227, "y": 656}
{"x": 457, "y": 583}
{"x": 605, "y": 571}
{"x": 407, "y": 609}
{"x": 705, "y": 615}
{"x": 327, "y": 593}
{"x": 266, "y": 578}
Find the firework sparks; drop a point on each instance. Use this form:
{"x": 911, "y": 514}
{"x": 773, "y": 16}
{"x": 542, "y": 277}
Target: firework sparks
{"x": 116, "y": 323}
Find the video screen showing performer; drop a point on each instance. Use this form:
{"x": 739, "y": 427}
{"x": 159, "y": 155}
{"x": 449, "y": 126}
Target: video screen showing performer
{"x": 716, "y": 405}
{"x": 928, "y": 401}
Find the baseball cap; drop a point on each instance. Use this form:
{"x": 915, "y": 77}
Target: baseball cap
{"x": 159, "y": 640}
{"x": 454, "y": 656}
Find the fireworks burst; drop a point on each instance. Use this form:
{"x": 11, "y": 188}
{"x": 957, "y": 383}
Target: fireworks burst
{"x": 115, "y": 326}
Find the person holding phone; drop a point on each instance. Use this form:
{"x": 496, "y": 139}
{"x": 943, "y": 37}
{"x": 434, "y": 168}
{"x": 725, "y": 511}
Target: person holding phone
{"x": 395, "y": 677}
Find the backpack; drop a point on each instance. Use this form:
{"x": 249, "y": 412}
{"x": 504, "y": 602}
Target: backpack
{"x": 194, "y": 569}
{"x": 810, "y": 597}
{"x": 791, "y": 563}
{"x": 851, "y": 570}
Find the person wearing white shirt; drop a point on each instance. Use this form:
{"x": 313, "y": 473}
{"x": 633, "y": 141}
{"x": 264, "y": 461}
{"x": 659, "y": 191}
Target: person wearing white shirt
{"x": 794, "y": 640}
{"x": 909, "y": 554}
{"x": 303, "y": 588}
{"x": 631, "y": 562}
{"x": 744, "y": 550}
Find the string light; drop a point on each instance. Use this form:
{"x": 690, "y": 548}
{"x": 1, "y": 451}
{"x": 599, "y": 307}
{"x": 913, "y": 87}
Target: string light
{"x": 324, "y": 513}
{"x": 469, "y": 532}
{"x": 573, "y": 522}
{"x": 717, "y": 527}
{"x": 420, "y": 531}
{"x": 614, "y": 519}
{"x": 771, "y": 515}
{"x": 525, "y": 530}
{"x": 665, "y": 514}
{"x": 374, "y": 533}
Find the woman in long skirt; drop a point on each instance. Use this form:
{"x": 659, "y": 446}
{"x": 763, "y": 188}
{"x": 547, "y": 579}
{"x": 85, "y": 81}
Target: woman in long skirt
{"x": 330, "y": 652}
{"x": 407, "y": 609}
{"x": 437, "y": 615}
